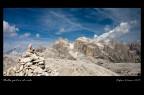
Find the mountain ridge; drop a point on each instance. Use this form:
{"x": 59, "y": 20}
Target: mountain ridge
{"x": 113, "y": 50}
{"x": 84, "y": 57}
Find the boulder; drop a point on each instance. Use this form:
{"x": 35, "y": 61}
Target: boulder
{"x": 28, "y": 64}
{"x": 10, "y": 72}
{"x": 25, "y": 60}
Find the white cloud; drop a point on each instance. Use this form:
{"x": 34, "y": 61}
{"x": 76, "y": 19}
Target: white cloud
{"x": 13, "y": 34}
{"x": 61, "y": 30}
{"x": 25, "y": 35}
{"x": 37, "y": 35}
{"x": 123, "y": 28}
{"x": 133, "y": 22}
{"x": 107, "y": 28}
{"x": 9, "y": 30}
{"x": 95, "y": 36}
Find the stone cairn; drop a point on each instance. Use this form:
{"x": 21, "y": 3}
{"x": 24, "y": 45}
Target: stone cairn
{"x": 31, "y": 64}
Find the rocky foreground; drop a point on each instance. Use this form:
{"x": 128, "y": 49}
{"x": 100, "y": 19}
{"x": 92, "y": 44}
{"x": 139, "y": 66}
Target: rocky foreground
{"x": 30, "y": 64}
{"x": 84, "y": 57}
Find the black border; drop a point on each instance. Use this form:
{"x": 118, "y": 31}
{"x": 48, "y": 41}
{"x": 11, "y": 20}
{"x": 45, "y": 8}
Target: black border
{"x": 72, "y": 3}
{"x": 77, "y": 82}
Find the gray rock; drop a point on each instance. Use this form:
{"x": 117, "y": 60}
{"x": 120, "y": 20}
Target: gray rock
{"x": 41, "y": 58}
{"x": 38, "y": 61}
{"x": 27, "y": 54}
{"x": 29, "y": 46}
{"x": 10, "y": 72}
{"x": 28, "y": 64}
{"x": 34, "y": 57}
{"x": 41, "y": 62}
{"x": 25, "y": 60}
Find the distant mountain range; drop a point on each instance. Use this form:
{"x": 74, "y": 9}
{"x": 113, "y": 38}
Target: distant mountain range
{"x": 13, "y": 51}
{"x": 113, "y": 51}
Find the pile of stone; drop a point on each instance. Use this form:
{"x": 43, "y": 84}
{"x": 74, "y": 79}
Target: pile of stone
{"x": 31, "y": 64}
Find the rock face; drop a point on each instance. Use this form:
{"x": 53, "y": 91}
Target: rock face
{"x": 30, "y": 64}
{"x": 61, "y": 46}
{"x": 136, "y": 49}
{"x": 121, "y": 53}
{"x": 112, "y": 51}
{"x": 86, "y": 47}
{"x": 64, "y": 49}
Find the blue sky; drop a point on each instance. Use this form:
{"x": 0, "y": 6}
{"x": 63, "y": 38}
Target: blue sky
{"x": 42, "y": 26}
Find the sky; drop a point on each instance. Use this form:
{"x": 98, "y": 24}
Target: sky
{"x": 43, "y": 26}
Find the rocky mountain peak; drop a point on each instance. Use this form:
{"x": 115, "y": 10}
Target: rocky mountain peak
{"x": 62, "y": 41}
{"x": 85, "y": 39}
{"x": 113, "y": 51}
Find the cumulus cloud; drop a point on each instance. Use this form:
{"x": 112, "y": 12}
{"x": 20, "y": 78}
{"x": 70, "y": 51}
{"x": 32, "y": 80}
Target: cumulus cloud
{"x": 37, "y": 35}
{"x": 107, "y": 28}
{"x": 123, "y": 28}
{"x": 9, "y": 30}
{"x": 95, "y": 36}
{"x": 25, "y": 35}
{"x": 61, "y": 30}
{"x": 13, "y": 34}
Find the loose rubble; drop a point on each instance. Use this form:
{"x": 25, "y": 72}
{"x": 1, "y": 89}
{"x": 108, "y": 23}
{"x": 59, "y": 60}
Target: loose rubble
{"x": 31, "y": 64}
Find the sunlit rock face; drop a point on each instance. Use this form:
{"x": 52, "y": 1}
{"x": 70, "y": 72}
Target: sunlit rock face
{"x": 113, "y": 51}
